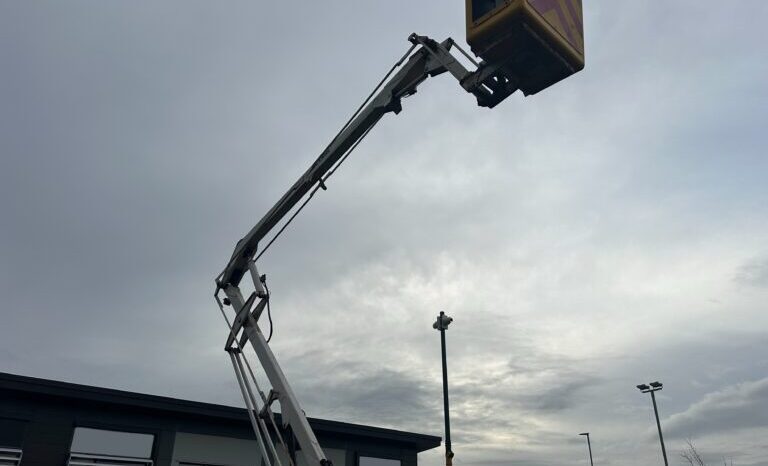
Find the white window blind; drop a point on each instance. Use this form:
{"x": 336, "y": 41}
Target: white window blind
{"x": 373, "y": 461}
{"x": 10, "y": 456}
{"x": 84, "y": 459}
{"x": 112, "y": 443}
{"x": 101, "y": 447}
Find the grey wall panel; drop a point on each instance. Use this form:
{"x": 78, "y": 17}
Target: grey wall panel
{"x": 12, "y": 432}
{"x": 46, "y": 442}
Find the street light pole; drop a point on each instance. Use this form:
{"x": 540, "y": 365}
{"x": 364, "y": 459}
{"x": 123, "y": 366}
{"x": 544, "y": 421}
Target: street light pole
{"x": 441, "y": 324}
{"x": 658, "y": 425}
{"x": 654, "y": 387}
{"x": 589, "y": 445}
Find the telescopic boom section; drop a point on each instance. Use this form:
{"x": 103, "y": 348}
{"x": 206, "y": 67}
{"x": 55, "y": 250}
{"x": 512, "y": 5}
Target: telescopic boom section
{"x": 431, "y": 59}
{"x": 494, "y": 79}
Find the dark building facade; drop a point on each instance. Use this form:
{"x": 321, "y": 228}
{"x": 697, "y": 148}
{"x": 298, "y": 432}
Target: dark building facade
{"x": 49, "y": 423}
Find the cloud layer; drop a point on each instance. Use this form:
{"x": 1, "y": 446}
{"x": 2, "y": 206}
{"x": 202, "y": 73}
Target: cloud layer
{"x": 607, "y": 232}
{"x": 733, "y": 408}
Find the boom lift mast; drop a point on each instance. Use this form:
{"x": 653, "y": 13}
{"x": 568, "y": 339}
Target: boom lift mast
{"x": 430, "y": 59}
{"x": 491, "y": 82}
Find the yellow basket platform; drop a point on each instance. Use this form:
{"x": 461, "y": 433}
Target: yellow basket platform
{"x": 540, "y": 41}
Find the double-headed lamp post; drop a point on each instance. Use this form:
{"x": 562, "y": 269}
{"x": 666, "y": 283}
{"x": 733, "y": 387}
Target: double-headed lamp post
{"x": 652, "y": 388}
{"x": 441, "y": 325}
{"x": 589, "y": 445}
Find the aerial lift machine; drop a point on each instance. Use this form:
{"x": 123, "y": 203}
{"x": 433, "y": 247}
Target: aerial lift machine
{"x": 521, "y": 44}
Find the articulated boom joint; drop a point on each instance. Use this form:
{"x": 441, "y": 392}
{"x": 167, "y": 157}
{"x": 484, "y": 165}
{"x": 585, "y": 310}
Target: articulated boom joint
{"x": 244, "y": 330}
{"x": 489, "y": 83}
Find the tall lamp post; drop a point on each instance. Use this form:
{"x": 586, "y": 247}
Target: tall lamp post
{"x": 441, "y": 325}
{"x": 654, "y": 387}
{"x": 589, "y": 445}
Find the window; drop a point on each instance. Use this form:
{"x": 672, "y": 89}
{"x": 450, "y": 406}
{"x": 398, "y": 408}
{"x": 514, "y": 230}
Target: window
{"x": 481, "y": 8}
{"x": 96, "y": 446}
{"x": 11, "y": 437}
{"x": 10, "y": 456}
{"x": 372, "y": 461}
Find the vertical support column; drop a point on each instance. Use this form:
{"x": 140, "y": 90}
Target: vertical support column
{"x": 441, "y": 325}
{"x": 448, "y": 448}
{"x": 165, "y": 441}
{"x": 658, "y": 424}
{"x": 47, "y": 441}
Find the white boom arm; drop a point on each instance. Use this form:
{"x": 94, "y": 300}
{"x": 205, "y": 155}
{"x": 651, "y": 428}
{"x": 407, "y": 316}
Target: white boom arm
{"x": 487, "y": 83}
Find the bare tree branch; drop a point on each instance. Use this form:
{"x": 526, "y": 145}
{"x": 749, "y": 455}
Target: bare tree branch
{"x": 691, "y": 456}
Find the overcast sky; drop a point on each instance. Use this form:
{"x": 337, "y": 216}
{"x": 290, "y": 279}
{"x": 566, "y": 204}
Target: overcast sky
{"x": 609, "y": 231}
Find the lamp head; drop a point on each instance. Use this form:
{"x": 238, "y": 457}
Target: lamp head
{"x": 643, "y": 386}
{"x": 656, "y": 385}
{"x": 585, "y": 433}
{"x": 442, "y": 322}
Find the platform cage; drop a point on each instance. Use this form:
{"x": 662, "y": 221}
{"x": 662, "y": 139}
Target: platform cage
{"x": 540, "y": 42}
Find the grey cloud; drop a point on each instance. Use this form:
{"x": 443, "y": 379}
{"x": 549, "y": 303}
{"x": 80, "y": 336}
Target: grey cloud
{"x": 753, "y": 273}
{"x": 354, "y": 391}
{"x": 741, "y": 406}
{"x": 139, "y": 140}
{"x": 563, "y": 394}
{"x": 559, "y": 381}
